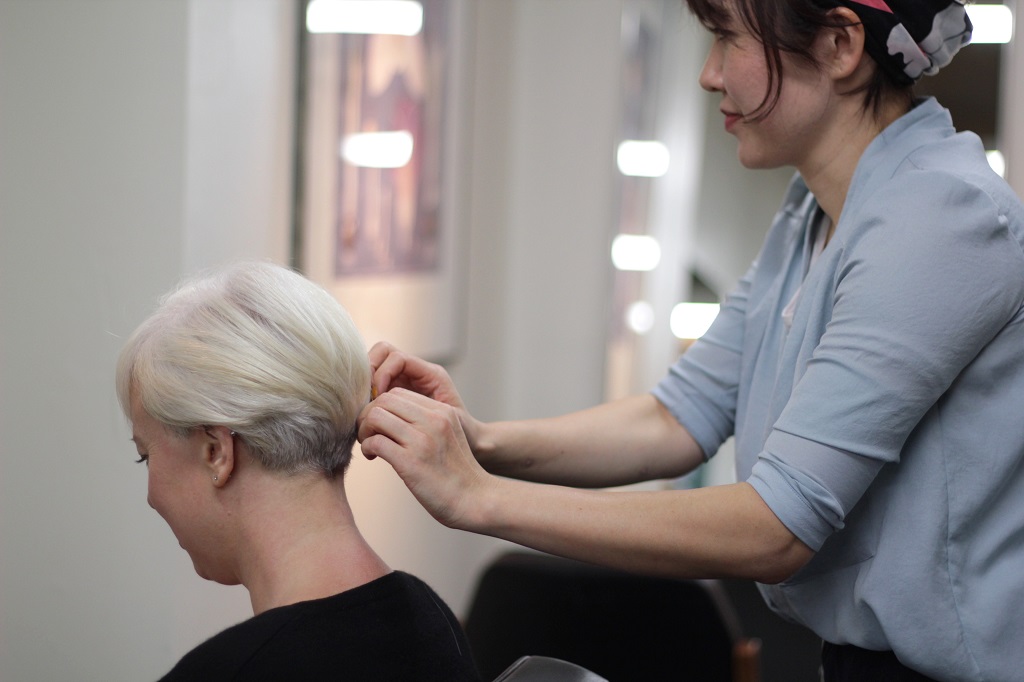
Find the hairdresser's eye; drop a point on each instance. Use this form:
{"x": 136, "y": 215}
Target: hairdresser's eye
{"x": 142, "y": 459}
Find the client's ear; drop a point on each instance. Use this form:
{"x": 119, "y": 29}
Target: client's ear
{"x": 219, "y": 454}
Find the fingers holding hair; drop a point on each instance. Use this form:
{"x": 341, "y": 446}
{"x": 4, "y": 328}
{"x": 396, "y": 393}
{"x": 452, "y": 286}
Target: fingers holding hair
{"x": 423, "y": 440}
{"x": 393, "y": 368}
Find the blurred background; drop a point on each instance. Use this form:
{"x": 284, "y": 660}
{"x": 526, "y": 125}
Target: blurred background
{"x": 141, "y": 140}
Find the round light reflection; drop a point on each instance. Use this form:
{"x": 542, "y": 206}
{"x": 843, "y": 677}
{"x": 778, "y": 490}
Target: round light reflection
{"x": 640, "y": 317}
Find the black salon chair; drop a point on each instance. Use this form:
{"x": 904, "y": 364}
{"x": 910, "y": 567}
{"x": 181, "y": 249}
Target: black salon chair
{"x": 622, "y": 627}
{"x": 546, "y": 669}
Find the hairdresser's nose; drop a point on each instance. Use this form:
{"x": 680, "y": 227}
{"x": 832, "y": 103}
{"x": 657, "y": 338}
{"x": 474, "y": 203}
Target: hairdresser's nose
{"x": 711, "y": 73}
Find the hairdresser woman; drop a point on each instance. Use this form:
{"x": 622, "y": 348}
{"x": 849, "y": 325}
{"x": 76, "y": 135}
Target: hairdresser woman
{"x": 870, "y": 364}
{"x": 242, "y": 390}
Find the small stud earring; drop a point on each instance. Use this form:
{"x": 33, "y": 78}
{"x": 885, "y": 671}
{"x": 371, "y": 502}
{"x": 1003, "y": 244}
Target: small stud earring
{"x": 214, "y": 479}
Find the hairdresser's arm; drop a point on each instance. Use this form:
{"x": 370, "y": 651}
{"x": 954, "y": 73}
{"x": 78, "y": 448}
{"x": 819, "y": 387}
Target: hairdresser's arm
{"x": 710, "y": 532}
{"x": 626, "y": 441}
{"x": 715, "y": 532}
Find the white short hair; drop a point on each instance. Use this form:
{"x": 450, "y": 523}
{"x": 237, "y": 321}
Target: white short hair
{"x": 259, "y": 349}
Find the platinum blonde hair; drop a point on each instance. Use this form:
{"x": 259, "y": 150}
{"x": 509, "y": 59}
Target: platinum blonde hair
{"x": 259, "y": 349}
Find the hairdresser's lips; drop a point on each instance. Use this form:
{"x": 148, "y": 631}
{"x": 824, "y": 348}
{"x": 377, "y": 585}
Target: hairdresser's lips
{"x": 731, "y": 120}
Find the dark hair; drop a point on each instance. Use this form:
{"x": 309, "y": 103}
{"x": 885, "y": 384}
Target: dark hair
{"x": 790, "y": 26}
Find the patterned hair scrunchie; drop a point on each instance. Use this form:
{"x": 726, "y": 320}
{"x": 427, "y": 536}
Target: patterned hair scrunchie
{"x": 911, "y": 38}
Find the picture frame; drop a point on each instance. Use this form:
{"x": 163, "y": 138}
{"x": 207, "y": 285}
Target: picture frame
{"x": 386, "y": 241}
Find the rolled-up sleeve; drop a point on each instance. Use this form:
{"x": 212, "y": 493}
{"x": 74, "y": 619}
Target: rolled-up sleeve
{"x": 701, "y": 389}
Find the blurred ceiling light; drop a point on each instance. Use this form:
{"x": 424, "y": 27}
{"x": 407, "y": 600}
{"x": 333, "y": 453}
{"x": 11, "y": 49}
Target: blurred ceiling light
{"x": 640, "y": 317}
{"x": 636, "y": 252}
{"x": 691, "y": 320}
{"x": 394, "y": 17}
{"x": 992, "y": 23}
{"x": 997, "y": 161}
{"x": 647, "y": 159}
{"x": 378, "y": 150}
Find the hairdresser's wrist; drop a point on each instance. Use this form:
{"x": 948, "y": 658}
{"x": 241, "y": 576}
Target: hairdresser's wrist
{"x": 480, "y": 436}
{"x": 483, "y": 505}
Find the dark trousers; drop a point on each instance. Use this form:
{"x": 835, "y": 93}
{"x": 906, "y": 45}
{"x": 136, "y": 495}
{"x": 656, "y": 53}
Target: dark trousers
{"x": 848, "y": 663}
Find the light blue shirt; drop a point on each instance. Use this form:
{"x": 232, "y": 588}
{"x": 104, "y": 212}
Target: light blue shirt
{"x": 885, "y": 427}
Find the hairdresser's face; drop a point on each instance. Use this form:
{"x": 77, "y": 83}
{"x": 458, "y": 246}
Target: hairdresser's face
{"x": 737, "y": 69}
{"x": 179, "y": 489}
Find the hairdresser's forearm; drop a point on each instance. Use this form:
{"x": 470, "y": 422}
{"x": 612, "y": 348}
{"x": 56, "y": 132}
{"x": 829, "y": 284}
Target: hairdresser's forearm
{"x": 722, "y": 531}
{"x": 626, "y": 441}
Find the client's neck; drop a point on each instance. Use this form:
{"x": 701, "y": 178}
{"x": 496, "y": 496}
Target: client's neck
{"x": 298, "y": 540}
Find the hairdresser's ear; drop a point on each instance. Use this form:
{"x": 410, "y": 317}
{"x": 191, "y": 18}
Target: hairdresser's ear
{"x": 842, "y": 48}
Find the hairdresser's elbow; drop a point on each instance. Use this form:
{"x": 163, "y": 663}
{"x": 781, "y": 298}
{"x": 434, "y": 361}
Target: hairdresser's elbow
{"x": 784, "y": 559}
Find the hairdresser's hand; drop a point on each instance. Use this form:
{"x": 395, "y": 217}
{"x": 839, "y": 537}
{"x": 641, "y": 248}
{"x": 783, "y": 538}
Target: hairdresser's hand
{"x": 394, "y": 369}
{"x": 424, "y": 441}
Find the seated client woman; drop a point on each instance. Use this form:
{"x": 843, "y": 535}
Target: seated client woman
{"x": 242, "y": 390}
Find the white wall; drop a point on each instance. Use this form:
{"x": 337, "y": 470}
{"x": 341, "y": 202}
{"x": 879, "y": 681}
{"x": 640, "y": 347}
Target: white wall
{"x": 91, "y": 141}
{"x": 239, "y": 115}
{"x": 565, "y": 107}
{"x": 118, "y": 175}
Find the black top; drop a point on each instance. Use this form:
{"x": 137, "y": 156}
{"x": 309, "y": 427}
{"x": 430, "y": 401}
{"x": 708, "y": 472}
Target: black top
{"x": 394, "y": 628}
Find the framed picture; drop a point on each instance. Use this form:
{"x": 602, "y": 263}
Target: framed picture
{"x": 379, "y": 151}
